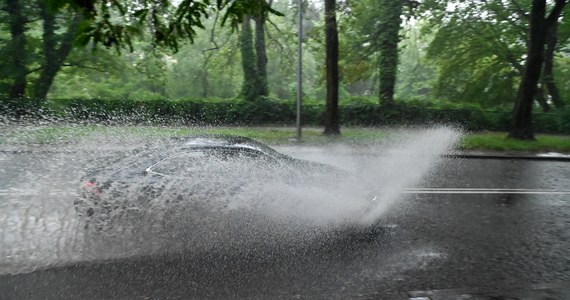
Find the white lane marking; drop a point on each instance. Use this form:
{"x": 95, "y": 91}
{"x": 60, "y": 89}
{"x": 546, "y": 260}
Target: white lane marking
{"x": 483, "y": 191}
{"x": 480, "y": 189}
{"x": 488, "y": 192}
{"x": 34, "y": 192}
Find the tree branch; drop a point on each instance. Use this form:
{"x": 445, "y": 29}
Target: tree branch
{"x": 212, "y": 33}
{"x": 79, "y": 65}
{"x": 505, "y": 17}
{"x": 32, "y": 20}
{"x": 34, "y": 70}
{"x": 555, "y": 14}
{"x": 218, "y": 47}
{"x": 519, "y": 10}
{"x": 291, "y": 53}
{"x": 412, "y": 4}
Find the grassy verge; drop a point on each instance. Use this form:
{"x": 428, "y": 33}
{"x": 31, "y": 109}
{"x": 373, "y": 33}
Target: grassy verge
{"x": 270, "y": 135}
{"x": 499, "y": 142}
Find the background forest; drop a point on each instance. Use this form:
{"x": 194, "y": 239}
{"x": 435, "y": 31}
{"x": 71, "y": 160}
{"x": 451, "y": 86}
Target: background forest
{"x": 399, "y": 62}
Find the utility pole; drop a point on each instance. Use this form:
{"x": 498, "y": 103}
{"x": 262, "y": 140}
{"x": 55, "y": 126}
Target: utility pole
{"x": 299, "y": 68}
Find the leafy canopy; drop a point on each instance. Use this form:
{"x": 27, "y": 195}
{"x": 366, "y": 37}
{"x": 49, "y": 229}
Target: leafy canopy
{"x": 114, "y": 23}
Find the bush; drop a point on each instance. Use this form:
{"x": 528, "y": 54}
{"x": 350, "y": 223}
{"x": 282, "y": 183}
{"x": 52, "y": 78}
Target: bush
{"x": 357, "y": 111}
{"x": 22, "y": 108}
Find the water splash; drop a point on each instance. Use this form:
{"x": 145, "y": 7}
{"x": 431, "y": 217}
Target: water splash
{"x": 40, "y": 227}
{"x": 384, "y": 169}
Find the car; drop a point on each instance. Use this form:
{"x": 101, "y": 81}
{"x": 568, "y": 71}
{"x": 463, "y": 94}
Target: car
{"x": 218, "y": 171}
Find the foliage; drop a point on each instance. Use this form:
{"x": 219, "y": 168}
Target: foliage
{"x": 37, "y": 42}
{"x": 100, "y": 22}
{"x": 137, "y": 75}
{"x": 562, "y": 73}
{"x": 356, "y": 111}
{"x": 209, "y": 67}
{"x": 477, "y": 50}
{"x": 416, "y": 76}
{"x": 459, "y": 61}
{"x": 115, "y": 23}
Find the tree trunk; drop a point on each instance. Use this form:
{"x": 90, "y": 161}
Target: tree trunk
{"x": 205, "y": 74}
{"x": 54, "y": 55}
{"x": 522, "y": 113}
{"x": 389, "y": 26}
{"x": 332, "y": 124}
{"x": 548, "y": 76}
{"x": 261, "y": 55}
{"x": 541, "y": 99}
{"x": 248, "y": 90}
{"x": 17, "y": 49}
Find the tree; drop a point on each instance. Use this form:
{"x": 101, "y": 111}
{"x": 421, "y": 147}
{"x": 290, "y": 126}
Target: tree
{"x": 254, "y": 55}
{"x": 548, "y": 75}
{"x": 261, "y": 55}
{"x": 35, "y": 65}
{"x": 208, "y": 67}
{"x": 101, "y": 22}
{"x": 332, "y": 120}
{"x": 249, "y": 89}
{"x": 477, "y": 47}
{"x": 539, "y": 27}
{"x": 416, "y": 77}
{"x": 389, "y": 37}
{"x": 116, "y": 23}
{"x": 480, "y": 48}
{"x": 371, "y": 33}
{"x": 17, "y": 67}
{"x": 55, "y": 50}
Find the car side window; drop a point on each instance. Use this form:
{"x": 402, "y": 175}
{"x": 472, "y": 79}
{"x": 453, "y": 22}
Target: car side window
{"x": 180, "y": 163}
{"x": 241, "y": 162}
{"x": 215, "y": 162}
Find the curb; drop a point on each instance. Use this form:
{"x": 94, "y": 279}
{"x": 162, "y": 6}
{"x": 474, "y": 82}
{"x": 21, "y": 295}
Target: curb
{"x": 506, "y": 156}
{"x": 533, "y": 291}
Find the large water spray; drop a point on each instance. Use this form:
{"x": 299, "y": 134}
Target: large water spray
{"x": 41, "y": 228}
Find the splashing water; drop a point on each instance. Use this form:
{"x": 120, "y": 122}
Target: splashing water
{"x": 40, "y": 227}
{"x": 384, "y": 169}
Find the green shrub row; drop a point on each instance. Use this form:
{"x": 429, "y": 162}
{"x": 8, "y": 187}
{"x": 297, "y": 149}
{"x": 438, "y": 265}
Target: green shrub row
{"x": 268, "y": 111}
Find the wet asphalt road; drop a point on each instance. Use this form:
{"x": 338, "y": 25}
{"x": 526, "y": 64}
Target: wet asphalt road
{"x": 445, "y": 245}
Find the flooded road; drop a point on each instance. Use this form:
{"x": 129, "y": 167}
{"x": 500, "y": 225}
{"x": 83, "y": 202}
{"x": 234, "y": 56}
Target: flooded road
{"x": 508, "y": 229}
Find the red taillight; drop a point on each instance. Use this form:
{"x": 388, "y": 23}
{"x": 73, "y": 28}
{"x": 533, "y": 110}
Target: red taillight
{"x": 91, "y": 188}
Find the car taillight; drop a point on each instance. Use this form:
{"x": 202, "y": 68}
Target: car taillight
{"x": 91, "y": 188}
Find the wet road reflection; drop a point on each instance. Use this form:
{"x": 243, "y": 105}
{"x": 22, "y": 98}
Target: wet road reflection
{"x": 438, "y": 240}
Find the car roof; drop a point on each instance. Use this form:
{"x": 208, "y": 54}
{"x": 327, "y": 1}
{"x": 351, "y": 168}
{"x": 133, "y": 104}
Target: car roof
{"x": 151, "y": 153}
{"x": 224, "y": 141}
{"x": 214, "y": 140}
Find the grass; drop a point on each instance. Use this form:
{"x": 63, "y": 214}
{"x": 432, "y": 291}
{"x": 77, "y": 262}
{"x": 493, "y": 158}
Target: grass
{"x": 500, "y": 142}
{"x": 271, "y": 135}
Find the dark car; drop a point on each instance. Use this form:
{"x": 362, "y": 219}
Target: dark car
{"x": 193, "y": 171}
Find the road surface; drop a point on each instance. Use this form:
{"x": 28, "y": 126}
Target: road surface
{"x": 471, "y": 228}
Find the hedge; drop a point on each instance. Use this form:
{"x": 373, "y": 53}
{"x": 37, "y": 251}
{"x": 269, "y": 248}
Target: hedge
{"x": 268, "y": 111}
